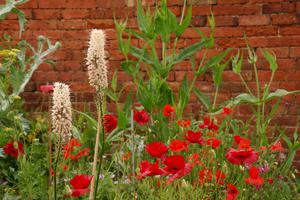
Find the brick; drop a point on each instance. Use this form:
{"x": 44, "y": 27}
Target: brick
{"x": 283, "y": 19}
{"x": 29, "y": 4}
{"x": 278, "y": 8}
{"x": 82, "y": 4}
{"x": 236, "y": 10}
{"x": 200, "y": 2}
{"x": 75, "y": 14}
{"x": 46, "y": 14}
{"x": 72, "y": 24}
{"x": 42, "y": 24}
{"x": 233, "y": 1}
{"x": 227, "y": 21}
{"x": 253, "y": 20}
{"x": 199, "y": 21}
{"x": 52, "y": 4}
{"x": 295, "y": 52}
{"x": 100, "y": 23}
{"x": 291, "y": 30}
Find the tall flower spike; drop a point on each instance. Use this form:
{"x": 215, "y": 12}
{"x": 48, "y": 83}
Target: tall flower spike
{"x": 97, "y": 69}
{"x": 62, "y": 111}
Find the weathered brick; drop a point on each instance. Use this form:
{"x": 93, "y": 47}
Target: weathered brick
{"x": 290, "y": 30}
{"x": 46, "y": 14}
{"x": 278, "y": 8}
{"x": 52, "y": 4}
{"x": 283, "y": 19}
{"x": 253, "y": 20}
{"x": 75, "y": 13}
{"x": 295, "y": 52}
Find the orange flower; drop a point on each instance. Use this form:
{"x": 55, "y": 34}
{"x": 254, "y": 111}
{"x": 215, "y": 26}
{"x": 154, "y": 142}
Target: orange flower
{"x": 126, "y": 156}
{"x": 184, "y": 123}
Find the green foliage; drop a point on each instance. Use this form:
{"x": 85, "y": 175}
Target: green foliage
{"x": 10, "y": 7}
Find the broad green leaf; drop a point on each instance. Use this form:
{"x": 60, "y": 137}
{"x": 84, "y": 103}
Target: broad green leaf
{"x": 128, "y": 104}
{"x": 280, "y": 93}
{"x": 89, "y": 118}
{"x": 287, "y": 140}
{"x": 141, "y": 54}
{"x": 203, "y": 98}
{"x": 76, "y": 132}
{"x": 130, "y": 67}
{"x": 271, "y": 59}
{"x": 212, "y": 62}
{"x": 237, "y": 64}
{"x": 143, "y": 19}
{"x": 189, "y": 51}
{"x": 243, "y": 98}
{"x": 111, "y": 94}
{"x": 183, "y": 95}
{"x": 22, "y": 19}
{"x": 185, "y": 23}
{"x": 114, "y": 81}
{"x": 211, "y": 21}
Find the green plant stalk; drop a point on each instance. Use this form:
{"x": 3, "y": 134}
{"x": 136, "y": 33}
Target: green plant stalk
{"x": 245, "y": 84}
{"x": 266, "y": 94}
{"x": 102, "y": 147}
{"x": 94, "y": 173}
{"x": 181, "y": 19}
{"x": 55, "y": 167}
{"x": 195, "y": 77}
{"x": 258, "y": 114}
{"x": 215, "y": 97}
{"x": 133, "y": 150}
{"x": 289, "y": 161}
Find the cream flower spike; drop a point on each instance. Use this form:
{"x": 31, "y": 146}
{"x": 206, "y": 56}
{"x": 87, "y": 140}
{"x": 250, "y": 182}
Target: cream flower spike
{"x": 97, "y": 69}
{"x": 62, "y": 111}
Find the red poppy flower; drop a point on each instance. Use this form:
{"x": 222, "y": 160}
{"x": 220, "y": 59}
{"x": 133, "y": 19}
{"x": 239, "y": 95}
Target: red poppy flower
{"x": 214, "y": 142}
{"x": 177, "y": 146}
{"x": 46, "y": 88}
{"x": 80, "y": 184}
{"x": 276, "y": 147}
{"x": 184, "y": 123}
{"x": 232, "y": 192}
{"x": 270, "y": 181}
{"x": 149, "y": 169}
{"x": 239, "y": 157}
{"x": 244, "y": 144}
{"x": 141, "y": 117}
{"x": 176, "y": 167}
{"x": 110, "y": 122}
{"x": 226, "y": 111}
{"x": 237, "y": 139}
{"x": 68, "y": 150}
{"x": 14, "y": 149}
{"x": 254, "y": 178}
{"x": 156, "y": 149}
{"x": 205, "y": 175}
{"x": 194, "y": 137}
{"x": 168, "y": 110}
{"x": 220, "y": 176}
{"x": 195, "y": 159}
{"x": 263, "y": 148}
{"x": 209, "y": 124}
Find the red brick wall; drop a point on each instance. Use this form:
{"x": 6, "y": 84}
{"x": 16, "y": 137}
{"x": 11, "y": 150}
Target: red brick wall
{"x": 271, "y": 24}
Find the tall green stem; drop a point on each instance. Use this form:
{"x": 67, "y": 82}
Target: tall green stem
{"x": 102, "y": 147}
{"x": 94, "y": 173}
{"x": 55, "y": 167}
{"x": 258, "y": 114}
